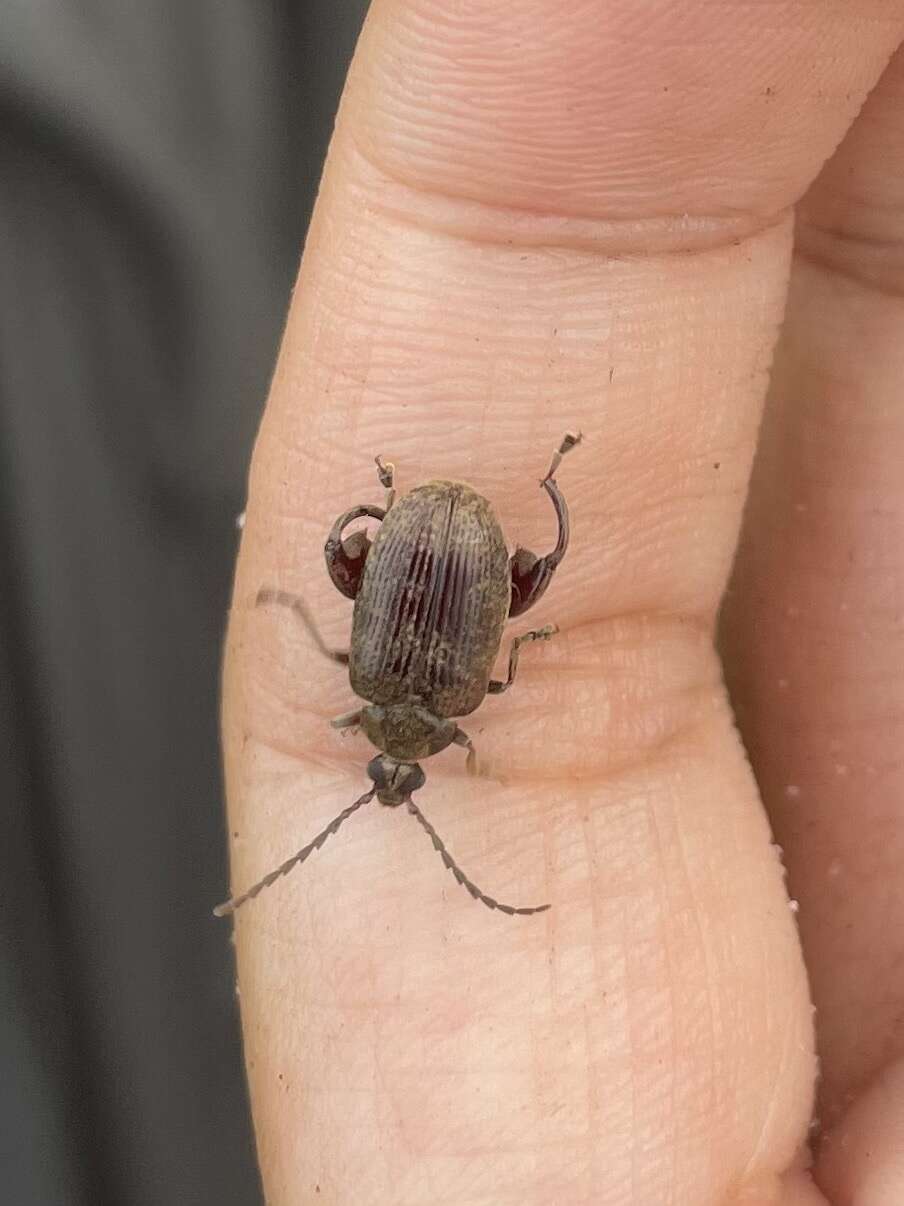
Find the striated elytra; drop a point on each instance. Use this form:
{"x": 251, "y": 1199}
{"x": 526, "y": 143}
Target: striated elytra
{"x": 433, "y": 601}
{"x": 432, "y": 593}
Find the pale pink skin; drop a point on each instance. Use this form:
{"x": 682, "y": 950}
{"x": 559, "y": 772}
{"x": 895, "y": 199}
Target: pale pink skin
{"x": 540, "y": 216}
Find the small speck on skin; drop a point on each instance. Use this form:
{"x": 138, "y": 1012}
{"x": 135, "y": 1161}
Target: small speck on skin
{"x": 717, "y": 464}
{"x": 794, "y": 906}
{"x": 835, "y": 868}
{"x": 792, "y": 791}
{"x": 240, "y": 520}
{"x": 779, "y": 850}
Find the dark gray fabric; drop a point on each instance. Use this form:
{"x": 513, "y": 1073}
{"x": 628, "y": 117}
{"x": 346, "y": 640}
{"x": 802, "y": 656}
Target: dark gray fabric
{"x": 158, "y": 159}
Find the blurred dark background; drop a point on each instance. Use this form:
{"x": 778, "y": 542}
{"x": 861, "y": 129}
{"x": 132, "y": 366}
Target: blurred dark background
{"x": 158, "y": 162}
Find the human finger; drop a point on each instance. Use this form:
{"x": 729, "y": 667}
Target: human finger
{"x": 814, "y": 630}
{"x": 506, "y": 245}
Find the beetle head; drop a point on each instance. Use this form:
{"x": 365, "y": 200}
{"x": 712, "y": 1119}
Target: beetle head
{"x": 395, "y": 781}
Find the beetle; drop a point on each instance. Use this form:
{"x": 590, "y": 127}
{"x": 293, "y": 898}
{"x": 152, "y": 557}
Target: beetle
{"x": 432, "y": 592}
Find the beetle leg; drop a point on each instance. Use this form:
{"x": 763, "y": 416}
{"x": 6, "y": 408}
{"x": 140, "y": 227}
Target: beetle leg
{"x": 531, "y": 574}
{"x": 386, "y": 474}
{"x": 348, "y": 720}
{"x": 538, "y": 634}
{"x": 461, "y": 738}
{"x": 297, "y": 605}
{"x": 345, "y": 558}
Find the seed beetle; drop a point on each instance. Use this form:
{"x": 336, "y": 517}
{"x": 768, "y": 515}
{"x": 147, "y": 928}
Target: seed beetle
{"x": 432, "y": 592}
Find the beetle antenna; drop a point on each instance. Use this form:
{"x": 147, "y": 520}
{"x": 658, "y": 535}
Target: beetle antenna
{"x": 230, "y": 906}
{"x": 450, "y": 863}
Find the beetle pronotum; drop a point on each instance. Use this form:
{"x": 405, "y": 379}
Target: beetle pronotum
{"x": 432, "y": 593}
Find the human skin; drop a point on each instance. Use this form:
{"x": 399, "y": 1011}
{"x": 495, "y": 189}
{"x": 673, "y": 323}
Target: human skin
{"x": 539, "y": 216}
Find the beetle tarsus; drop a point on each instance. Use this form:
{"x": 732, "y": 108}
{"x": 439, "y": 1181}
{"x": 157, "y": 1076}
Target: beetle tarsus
{"x": 546, "y": 633}
{"x": 460, "y": 876}
{"x": 569, "y": 441}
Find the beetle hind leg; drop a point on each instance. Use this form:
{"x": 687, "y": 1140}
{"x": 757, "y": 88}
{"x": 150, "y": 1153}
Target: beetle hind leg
{"x": 461, "y": 738}
{"x": 297, "y": 605}
{"x": 537, "y": 634}
{"x": 531, "y": 574}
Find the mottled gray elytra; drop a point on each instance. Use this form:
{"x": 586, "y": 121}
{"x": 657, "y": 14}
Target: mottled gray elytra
{"x": 432, "y": 593}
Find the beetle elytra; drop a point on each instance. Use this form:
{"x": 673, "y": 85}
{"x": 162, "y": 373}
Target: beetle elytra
{"x": 432, "y": 593}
